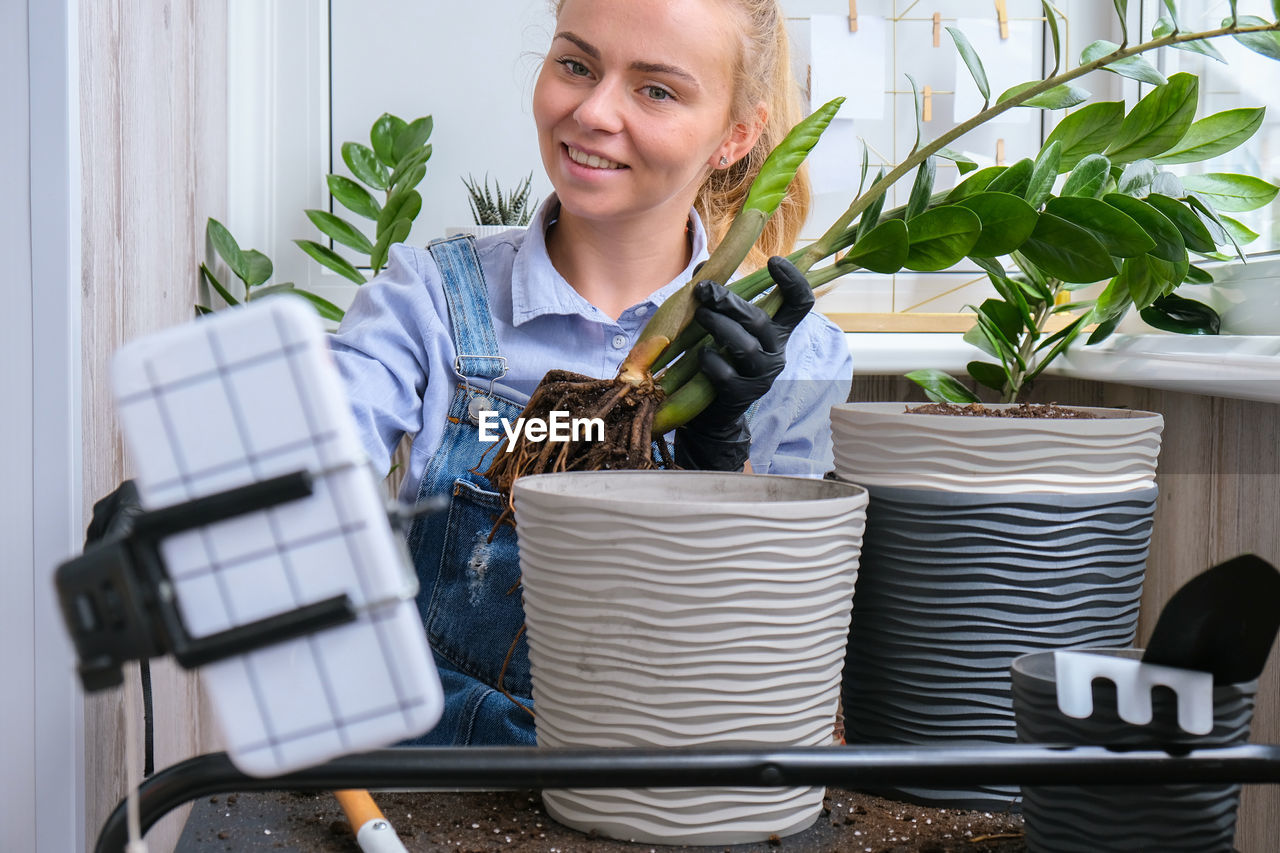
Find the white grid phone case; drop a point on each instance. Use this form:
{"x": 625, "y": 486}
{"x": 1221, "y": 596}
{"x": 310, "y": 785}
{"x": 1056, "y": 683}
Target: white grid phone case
{"x": 240, "y": 397}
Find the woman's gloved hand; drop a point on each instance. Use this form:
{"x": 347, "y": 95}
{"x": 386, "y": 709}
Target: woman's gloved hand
{"x": 113, "y": 515}
{"x": 754, "y": 353}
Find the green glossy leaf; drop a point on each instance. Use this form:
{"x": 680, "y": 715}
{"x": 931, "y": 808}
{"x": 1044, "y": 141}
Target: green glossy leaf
{"x": 1014, "y": 179}
{"x": 413, "y": 137}
{"x": 915, "y": 98}
{"x": 1106, "y": 329}
{"x": 1267, "y": 44}
{"x": 202, "y": 310}
{"x": 1012, "y": 293}
{"x": 405, "y": 205}
{"x": 1119, "y": 234}
{"x": 1158, "y": 121}
{"x": 975, "y": 183}
{"x": 326, "y": 257}
{"x": 217, "y": 286}
{"x": 1167, "y": 26}
{"x": 383, "y": 136}
{"x": 922, "y": 188}
{"x": 871, "y": 215}
{"x": 1004, "y": 347}
{"x": 364, "y": 164}
{"x": 866, "y": 164}
{"x": 1194, "y": 233}
{"x": 257, "y": 267}
{"x": 1137, "y": 178}
{"x": 964, "y": 165}
{"x": 409, "y": 180}
{"x": 1054, "y": 35}
{"x": 226, "y": 247}
{"x": 883, "y": 249}
{"x": 770, "y": 185}
{"x": 397, "y": 233}
{"x": 1235, "y": 18}
{"x": 941, "y": 237}
{"x": 1007, "y": 221}
{"x": 1175, "y": 313}
{"x": 1214, "y": 135}
{"x": 1238, "y": 231}
{"x": 324, "y": 307}
{"x": 1141, "y": 279}
{"x": 1067, "y": 252}
{"x": 1170, "y": 245}
{"x": 1044, "y": 174}
{"x": 1058, "y": 98}
{"x": 1167, "y": 183}
{"x": 1006, "y": 318}
{"x": 972, "y": 61}
{"x": 1035, "y": 277}
{"x": 940, "y": 387}
{"x": 1113, "y": 302}
{"x": 981, "y": 336}
{"x": 1196, "y": 275}
{"x": 410, "y": 171}
{"x": 1122, "y": 10}
{"x": 1233, "y": 193}
{"x": 339, "y": 230}
{"x": 1133, "y": 67}
{"x": 1089, "y": 177}
{"x": 1086, "y": 131}
{"x": 993, "y": 376}
{"x": 353, "y": 196}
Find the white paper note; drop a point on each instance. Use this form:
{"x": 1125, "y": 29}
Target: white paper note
{"x": 1007, "y": 62}
{"x": 848, "y": 64}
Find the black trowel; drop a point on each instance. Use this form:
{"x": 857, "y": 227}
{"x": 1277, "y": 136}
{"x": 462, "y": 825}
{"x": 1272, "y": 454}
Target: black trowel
{"x": 1223, "y": 621}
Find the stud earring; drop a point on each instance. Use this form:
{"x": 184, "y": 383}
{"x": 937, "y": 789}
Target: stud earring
{"x": 724, "y": 161}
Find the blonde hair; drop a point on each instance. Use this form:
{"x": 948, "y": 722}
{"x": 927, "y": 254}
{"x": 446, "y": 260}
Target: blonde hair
{"x": 762, "y": 74}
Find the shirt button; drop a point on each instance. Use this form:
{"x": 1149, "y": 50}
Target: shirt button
{"x": 641, "y": 310}
{"x": 619, "y": 341}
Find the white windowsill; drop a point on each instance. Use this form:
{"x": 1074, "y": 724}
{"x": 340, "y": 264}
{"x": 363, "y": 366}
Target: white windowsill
{"x": 1240, "y": 366}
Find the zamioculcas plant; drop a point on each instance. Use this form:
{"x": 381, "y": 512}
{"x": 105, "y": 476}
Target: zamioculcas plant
{"x": 1116, "y": 217}
{"x": 395, "y": 165}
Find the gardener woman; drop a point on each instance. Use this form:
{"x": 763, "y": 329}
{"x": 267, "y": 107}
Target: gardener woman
{"x": 653, "y": 116}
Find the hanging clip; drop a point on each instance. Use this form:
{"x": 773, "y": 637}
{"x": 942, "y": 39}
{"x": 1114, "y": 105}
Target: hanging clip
{"x": 1000, "y": 151}
{"x": 926, "y": 113}
{"x": 853, "y": 16}
{"x": 937, "y": 29}
{"x": 1002, "y": 15}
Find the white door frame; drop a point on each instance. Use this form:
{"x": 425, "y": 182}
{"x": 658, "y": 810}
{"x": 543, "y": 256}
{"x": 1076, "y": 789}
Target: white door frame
{"x": 41, "y": 717}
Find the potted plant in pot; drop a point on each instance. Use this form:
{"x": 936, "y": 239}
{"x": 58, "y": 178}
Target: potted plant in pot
{"x": 990, "y": 537}
{"x": 496, "y": 211}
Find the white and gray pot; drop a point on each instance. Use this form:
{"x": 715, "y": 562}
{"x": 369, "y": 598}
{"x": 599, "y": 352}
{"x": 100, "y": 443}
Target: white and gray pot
{"x": 684, "y": 608}
{"x": 987, "y": 538}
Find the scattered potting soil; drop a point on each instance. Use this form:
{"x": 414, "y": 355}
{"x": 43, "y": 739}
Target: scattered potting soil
{"x": 1021, "y": 410}
{"x": 515, "y": 821}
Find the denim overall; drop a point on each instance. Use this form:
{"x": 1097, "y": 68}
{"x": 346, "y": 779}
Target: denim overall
{"x": 469, "y": 594}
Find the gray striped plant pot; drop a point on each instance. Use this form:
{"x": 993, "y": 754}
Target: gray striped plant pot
{"x": 1172, "y": 818}
{"x": 954, "y": 586}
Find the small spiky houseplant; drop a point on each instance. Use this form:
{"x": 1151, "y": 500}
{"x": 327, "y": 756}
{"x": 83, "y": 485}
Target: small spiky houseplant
{"x": 1117, "y": 217}
{"x": 495, "y": 207}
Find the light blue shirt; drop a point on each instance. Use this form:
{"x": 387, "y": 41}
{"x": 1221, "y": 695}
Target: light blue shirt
{"x": 396, "y": 354}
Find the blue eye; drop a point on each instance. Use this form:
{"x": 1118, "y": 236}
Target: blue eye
{"x": 658, "y": 93}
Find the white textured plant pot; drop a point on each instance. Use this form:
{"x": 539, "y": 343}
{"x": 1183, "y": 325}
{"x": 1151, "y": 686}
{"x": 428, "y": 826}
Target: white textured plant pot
{"x": 685, "y": 608}
{"x": 881, "y": 444}
{"x": 987, "y": 538}
{"x": 479, "y": 231}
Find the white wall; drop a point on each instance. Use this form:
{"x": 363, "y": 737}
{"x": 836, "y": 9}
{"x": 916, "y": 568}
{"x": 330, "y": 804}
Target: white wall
{"x": 41, "y": 726}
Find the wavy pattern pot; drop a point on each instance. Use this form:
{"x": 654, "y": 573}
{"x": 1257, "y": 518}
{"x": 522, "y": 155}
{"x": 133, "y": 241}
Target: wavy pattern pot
{"x": 1064, "y": 819}
{"x": 955, "y": 586}
{"x": 878, "y": 444}
{"x": 673, "y": 608}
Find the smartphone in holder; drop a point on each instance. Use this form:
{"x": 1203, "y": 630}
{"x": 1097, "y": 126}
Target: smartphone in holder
{"x": 236, "y": 398}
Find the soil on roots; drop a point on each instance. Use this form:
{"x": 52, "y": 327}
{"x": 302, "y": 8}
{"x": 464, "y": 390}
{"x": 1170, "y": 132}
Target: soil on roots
{"x": 626, "y": 411}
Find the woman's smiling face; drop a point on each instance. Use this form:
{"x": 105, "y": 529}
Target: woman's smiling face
{"x": 633, "y": 104}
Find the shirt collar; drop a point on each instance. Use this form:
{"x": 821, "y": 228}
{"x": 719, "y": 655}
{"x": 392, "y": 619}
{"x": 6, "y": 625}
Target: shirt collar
{"x": 537, "y": 288}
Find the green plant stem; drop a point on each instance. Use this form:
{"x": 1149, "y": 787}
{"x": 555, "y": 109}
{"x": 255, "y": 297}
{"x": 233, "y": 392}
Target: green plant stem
{"x": 827, "y": 243}
{"x": 1013, "y": 387}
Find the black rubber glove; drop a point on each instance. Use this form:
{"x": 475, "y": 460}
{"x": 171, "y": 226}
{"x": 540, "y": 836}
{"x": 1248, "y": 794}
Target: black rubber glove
{"x": 114, "y": 514}
{"x": 754, "y": 353}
